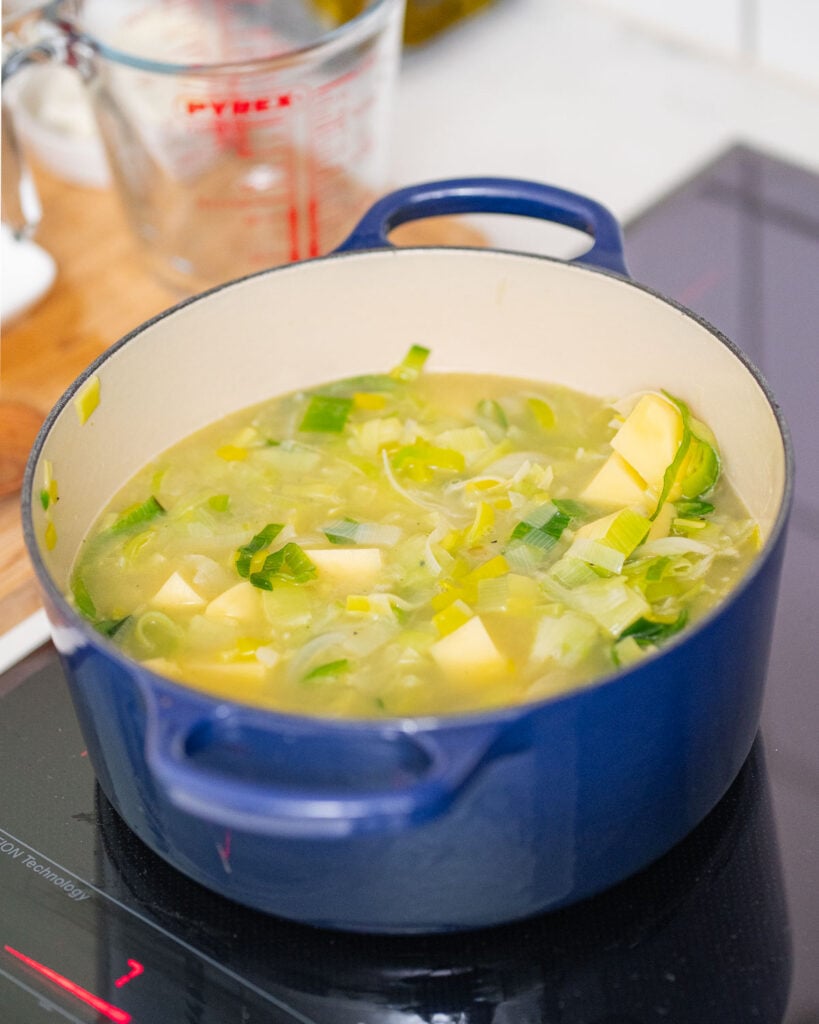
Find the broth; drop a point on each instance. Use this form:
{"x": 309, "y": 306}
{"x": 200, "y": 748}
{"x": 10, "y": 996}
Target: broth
{"x": 416, "y": 543}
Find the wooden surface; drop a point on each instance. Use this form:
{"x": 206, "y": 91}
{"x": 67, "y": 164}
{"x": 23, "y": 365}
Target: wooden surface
{"x": 102, "y": 291}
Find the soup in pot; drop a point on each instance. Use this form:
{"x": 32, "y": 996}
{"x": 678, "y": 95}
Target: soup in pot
{"x": 417, "y": 543}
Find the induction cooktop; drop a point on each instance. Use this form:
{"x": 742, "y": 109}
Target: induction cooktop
{"x": 724, "y": 929}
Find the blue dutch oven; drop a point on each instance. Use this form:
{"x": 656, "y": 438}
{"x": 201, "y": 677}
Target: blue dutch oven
{"x": 429, "y": 824}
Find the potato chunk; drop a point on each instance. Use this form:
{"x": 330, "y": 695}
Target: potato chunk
{"x": 469, "y": 654}
{"x": 354, "y": 566}
{"x": 616, "y": 485}
{"x": 649, "y": 438}
{"x": 176, "y": 592}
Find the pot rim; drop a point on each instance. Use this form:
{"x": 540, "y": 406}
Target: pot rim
{"x": 425, "y": 723}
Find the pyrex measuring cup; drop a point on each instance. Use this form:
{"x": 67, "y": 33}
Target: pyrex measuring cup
{"x": 240, "y": 135}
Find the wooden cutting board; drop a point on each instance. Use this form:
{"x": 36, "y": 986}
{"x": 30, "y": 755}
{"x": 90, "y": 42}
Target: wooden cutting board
{"x": 102, "y": 291}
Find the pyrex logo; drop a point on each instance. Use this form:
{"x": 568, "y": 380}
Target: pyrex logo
{"x": 236, "y": 106}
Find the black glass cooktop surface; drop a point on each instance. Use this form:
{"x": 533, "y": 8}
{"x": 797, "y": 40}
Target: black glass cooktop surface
{"x": 723, "y": 930}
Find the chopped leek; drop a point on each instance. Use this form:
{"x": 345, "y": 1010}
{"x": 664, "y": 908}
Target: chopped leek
{"x": 87, "y": 399}
{"x": 289, "y": 564}
{"x": 82, "y": 598}
{"x": 329, "y": 668}
{"x": 326, "y": 414}
{"x": 627, "y": 652}
{"x": 263, "y": 539}
{"x": 342, "y": 531}
{"x": 693, "y": 509}
{"x": 109, "y": 627}
{"x": 703, "y": 465}
{"x": 411, "y": 365}
{"x": 543, "y": 527}
{"x": 490, "y": 411}
{"x": 575, "y": 510}
{"x": 648, "y": 631}
{"x": 434, "y": 544}
{"x": 420, "y": 459}
{"x": 137, "y": 515}
{"x": 348, "y": 531}
{"x": 542, "y": 412}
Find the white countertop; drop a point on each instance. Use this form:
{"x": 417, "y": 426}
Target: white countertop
{"x": 569, "y": 94}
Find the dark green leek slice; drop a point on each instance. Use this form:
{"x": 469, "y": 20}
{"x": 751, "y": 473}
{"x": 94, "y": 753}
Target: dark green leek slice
{"x": 263, "y": 539}
{"x": 542, "y": 528}
{"x": 649, "y": 631}
{"x": 289, "y": 564}
{"x": 693, "y": 509}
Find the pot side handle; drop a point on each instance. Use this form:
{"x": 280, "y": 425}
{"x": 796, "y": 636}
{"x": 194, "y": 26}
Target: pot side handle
{"x": 494, "y": 195}
{"x": 284, "y": 778}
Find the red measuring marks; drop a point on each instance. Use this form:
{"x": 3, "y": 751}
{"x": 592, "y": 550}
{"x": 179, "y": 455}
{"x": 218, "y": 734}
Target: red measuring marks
{"x": 104, "y": 1008}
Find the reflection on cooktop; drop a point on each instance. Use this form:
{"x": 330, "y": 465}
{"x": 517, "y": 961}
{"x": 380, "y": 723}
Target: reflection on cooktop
{"x": 83, "y": 897}
{"x": 645, "y": 951}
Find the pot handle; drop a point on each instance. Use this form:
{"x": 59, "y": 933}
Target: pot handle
{"x": 494, "y": 195}
{"x": 244, "y": 772}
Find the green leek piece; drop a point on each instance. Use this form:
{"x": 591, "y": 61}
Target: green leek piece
{"x": 138, "y": 515}
{"x": 83, "y": 599}
{"x": 289, "y": 564}
{"x": 648, "y": 631}
{"x": 657, "y": 568}
{"x": 423, "y": 456}
{"x": 575, "y": 510}
{"x": 45, "y": 499}
{"x": 263, "y": 539}
{"x": 155, "y": 634}
{"x": 342, "y": 531}
{"x": 628, "y": 652}
{"x": 219, "y": 502}
{"x": 542, "y": 412}
{"x": 566, "y": 639}
{"x": 598, "y": 554}
{"x": 108, "y": 627}
{"x": 673, "y": 469}
{"x": 492, "y": 411}
{"x": 330, "y": 668}
{"x": 87, "y": 399}
{"x": 611, "y": 602}
{"x": 693, "y": 509}
{"x": 401, "y": 614}
{"x": 703, "y": 466}
{"x": 572, "y": 572}
{"x": 326, "y": 414}
{"x": 411, "y": 365}
{"x": 543, "y": 527}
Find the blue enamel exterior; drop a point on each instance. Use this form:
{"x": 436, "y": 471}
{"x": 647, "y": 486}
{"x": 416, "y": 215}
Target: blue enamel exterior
{"x": 494, "y": 195}
{"x": 434, "y": 824}
{"x": 583, "y": 791}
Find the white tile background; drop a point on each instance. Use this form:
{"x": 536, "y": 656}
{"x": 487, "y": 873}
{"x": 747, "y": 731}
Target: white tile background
{"x": 780, "y": 36}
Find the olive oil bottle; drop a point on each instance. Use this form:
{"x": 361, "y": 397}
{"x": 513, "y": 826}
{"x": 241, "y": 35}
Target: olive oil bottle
{"x": 423, "y": 18}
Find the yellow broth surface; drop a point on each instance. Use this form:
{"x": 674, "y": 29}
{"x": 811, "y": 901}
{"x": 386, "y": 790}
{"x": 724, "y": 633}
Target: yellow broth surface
{"x": 416, "y": 543}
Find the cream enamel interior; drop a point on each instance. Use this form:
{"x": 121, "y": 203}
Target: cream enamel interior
{"x": 477, "y": 311}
